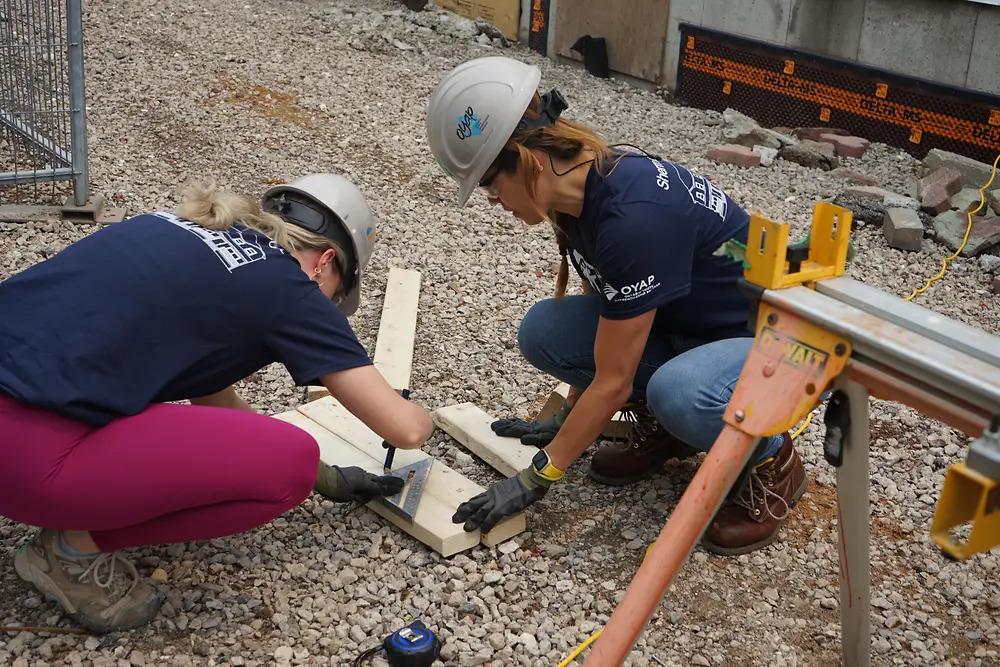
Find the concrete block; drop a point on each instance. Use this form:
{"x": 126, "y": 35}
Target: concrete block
{"x": 985, "y": 61}
{"x": 847, "y": 146}
{"x": 983, "y": 237}
{"x": 974, "y": 173}
{"x": 736, "y": 154}
{"x": 936, "y": 200}
{"x": 813, "y": 154}
{"x": 739, "y": 128}
{"x": 968, "y": 200}
{"x": 827, "y": 26}
{"x": 767, "y": 155}
{"x": 925, "y": 38}
{"x": 902, "y": 229}
{"x": 763, "y": 19}
{"x": 995, "y": 200}
{"x": 947, "y": 178}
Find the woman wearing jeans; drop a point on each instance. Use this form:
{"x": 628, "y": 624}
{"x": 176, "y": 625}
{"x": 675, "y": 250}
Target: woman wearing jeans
{"x": 663, "y": 321}
{"x": 163, "y": 307}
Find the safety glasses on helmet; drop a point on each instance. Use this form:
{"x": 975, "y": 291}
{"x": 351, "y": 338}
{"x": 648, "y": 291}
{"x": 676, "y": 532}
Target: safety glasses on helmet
{"x": 309, "y": 215}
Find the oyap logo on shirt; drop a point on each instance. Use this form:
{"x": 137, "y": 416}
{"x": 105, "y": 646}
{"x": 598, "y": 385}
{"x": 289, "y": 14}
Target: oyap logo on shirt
{"x": 470, "y": 124}
{"x": 633, "y": 291}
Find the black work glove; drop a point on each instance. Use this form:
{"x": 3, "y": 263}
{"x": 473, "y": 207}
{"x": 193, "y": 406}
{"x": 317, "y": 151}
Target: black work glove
{"x": 534, "y": 433}
{"x": 353, "y": 483}
{"x": 501, "y": 500}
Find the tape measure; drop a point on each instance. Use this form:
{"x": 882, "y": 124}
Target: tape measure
{"x": 414, "y": 645}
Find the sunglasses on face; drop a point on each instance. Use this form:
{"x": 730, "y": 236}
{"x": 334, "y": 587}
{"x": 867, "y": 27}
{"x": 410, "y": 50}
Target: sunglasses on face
{"x": 506, "y": 161}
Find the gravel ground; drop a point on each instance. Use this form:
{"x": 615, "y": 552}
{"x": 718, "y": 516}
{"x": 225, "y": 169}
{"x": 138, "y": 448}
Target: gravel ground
{"x": 261, "y": 92}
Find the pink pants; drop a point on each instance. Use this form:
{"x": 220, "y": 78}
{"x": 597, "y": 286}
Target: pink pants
{"x": 173, "y": 473}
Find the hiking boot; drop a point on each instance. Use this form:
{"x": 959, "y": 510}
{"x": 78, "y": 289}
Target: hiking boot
{"x": 102, "y": 593}
{"x": 752, "y": 520}
{"x": 640, "y": 455}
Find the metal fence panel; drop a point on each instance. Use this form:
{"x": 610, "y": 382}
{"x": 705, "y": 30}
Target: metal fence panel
{"x": 43, "y": 133}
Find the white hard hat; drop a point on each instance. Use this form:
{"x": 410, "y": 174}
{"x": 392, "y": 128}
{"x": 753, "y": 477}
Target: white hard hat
{"x": 352, "y": 224}
{"x": 474, "y": 111}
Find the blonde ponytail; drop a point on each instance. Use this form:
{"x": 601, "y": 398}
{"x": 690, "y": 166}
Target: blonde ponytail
{"x": 212, "y": 208}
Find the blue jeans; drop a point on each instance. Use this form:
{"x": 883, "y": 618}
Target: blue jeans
{"x": 687, "y": 382}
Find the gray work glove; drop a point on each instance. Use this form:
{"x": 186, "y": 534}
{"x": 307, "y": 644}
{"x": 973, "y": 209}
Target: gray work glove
{"x": 505, "y": 498}
{"x": 534, "y": 433}
{"x": 353, "y": 483}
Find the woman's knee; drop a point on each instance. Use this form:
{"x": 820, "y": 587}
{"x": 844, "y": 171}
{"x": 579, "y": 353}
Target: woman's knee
{"x": 295, "y": 456}
{"x": 554, "y": 330}
{"x": 689, "y": 394}
{"x": 535, "y": 333}
{"x": 669, "y": 396}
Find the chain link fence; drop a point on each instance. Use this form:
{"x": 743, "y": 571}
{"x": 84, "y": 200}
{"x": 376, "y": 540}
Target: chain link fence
{"x": 43, "y": 125}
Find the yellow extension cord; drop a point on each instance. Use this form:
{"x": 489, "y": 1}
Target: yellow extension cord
{"x": 797, "y": 432}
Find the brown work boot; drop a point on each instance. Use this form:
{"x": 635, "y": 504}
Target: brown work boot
{"x": 640, "y": 455}
{"x": 103, "y": 593}
{"x": 752, "y": 521}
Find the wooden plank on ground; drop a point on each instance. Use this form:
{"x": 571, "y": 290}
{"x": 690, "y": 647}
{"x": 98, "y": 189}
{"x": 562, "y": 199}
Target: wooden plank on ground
{"x": 432, "y": 521}
{"x": 471, "y": 427}
{"x": 445, "y": 484}
{"x": 398, "y": 327}
{"x": 554, "y": 402}
{"x": 396, "y": 331}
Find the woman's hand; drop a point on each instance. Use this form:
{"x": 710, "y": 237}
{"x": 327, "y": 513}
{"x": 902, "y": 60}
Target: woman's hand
{"x": 501, "y": 500}
{"x": 537, "y": 433}
{"x": 352, "y": 483}
{"x": 366, "y": 395}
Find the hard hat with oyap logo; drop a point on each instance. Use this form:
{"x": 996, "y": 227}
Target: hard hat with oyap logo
{"x": 473, "y": 112}
{"x": 351, "y": 224}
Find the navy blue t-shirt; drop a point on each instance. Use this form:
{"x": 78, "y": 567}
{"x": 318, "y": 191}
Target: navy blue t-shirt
{"x": 645, "y": 239}
{"x": 157, "y": 308}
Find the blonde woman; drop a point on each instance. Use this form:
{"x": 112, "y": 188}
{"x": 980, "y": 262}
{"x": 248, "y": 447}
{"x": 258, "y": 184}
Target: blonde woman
{"x": 162, "y": 307}
{"x": 663, "y": 322}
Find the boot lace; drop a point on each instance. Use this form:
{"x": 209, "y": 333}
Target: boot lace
{"x": 641, "y": 424}
{"x": 756, "y": 493}
{"x": 105, "y": 573}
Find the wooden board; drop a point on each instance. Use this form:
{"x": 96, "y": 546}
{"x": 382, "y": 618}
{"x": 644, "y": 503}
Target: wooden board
{"x": 432, "y": 521}
{"x": 503, "y": 14}
{"x": 554, "y": 402}
{"x": 471, "y": 427}
{"x": 635, "y": 30}
{"x": 443, "y": 483}
{"x": 397, "y": 331}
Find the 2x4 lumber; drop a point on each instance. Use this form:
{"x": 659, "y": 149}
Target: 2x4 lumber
{"x": 470, "y": 425}
{"x": 616, "y": 429}
{"x": 398, "y": 327}
{"x": 396, "y": 331}
{"x": 432, "y": 520}
{"x": 443, "y": 483}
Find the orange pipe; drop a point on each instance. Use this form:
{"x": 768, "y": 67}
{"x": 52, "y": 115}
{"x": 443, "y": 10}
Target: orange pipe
{"x": 682, "y": 531}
